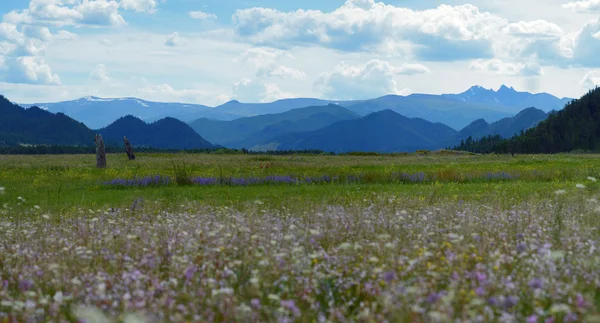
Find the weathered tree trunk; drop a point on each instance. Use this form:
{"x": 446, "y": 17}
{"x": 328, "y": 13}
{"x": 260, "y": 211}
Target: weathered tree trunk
{"x": 100, "y": 152}
{"x": 128, "y": 148}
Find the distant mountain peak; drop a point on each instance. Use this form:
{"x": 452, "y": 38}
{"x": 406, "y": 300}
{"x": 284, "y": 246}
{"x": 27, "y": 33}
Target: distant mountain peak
{"x": 506, "y": 88}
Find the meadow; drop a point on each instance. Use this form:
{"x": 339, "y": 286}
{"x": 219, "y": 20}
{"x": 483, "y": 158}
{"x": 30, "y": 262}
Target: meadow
{"x": 431, "y": 237}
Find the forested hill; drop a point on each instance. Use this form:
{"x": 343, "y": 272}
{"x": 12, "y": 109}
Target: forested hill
{"x": 37, "y": 126}
{"x": 576, "y": 127}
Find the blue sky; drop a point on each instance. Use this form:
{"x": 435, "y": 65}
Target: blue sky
{"x": 212, "y": 51}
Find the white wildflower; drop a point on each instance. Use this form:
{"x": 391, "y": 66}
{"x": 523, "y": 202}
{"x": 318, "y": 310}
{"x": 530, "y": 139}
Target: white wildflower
{"x": 345, "y": 245}
{"x": 90, "y": 314}
{"x": 58, "y": 297}
{"x": 593, "y": 179}
{"x": 581, "y": 186}
{"x": 560, "y": 192}
{"x": 134, "y": 318}
{"x": 37, "y": 207}
{"x": 46, "y": 216}
{"x": 2, "y": 190}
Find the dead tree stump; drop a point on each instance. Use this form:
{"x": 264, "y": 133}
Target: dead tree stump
{"x": 100, "y": 152}
{"x": 128, "y": 148}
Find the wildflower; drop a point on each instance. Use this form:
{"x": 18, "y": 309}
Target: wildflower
{"x": 580, "y": 186}
{"x": 389, "y": 276}
{"x": 511, "y": 301}
{"x": 532, "y": 319}
{"x": 593, "y": 179}
{"x": 46, "y": 216}
{"x": 90, "y": 314}
{"x": 536, "y": 283}
{"x": 521, "y": 247}
{"x": 560, "y": 192}
{"x": 290, "y": 305}
{"x": 255, "y": 302}
{"x": 2, "y": 190}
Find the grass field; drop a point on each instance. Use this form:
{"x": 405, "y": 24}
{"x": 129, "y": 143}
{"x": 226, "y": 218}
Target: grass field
{"x": 198, "y": 237}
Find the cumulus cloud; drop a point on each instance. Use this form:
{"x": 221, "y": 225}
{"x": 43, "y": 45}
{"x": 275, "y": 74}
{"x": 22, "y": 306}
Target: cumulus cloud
{"x": 265, "y": 60}
{"x": 282, "y": 72}
{"x": 96, "y": 13}
{"x": 498, "y": 67}
{"x": 535, "y": 28}
{"x": 173, "y": 40}
{"x": 247, "y": 90}
{"x": 100, "y": 74}
{"x": 28, "y": 70}
{"x": 446, "y": 32}
{"x": 200, "y": 15}
{"x": 586, "y": 6}
{"x": 591, "y": 79}
{"x": 148, "y": 6}
{"x": 375, "y": 78}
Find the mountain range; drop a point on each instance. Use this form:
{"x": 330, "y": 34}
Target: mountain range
{"x": 388, "y": 131}
{"x": 386, "y": 124}
{"x": 454, "y": 110}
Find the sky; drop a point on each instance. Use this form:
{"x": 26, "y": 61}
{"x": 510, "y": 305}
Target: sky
{"x": 212, "y": 51}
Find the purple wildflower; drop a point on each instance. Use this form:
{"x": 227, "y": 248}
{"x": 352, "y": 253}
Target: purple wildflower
{"x": 25, "y": 284}
{"x": 571, "y": 317}
{"x": 255, "y": 302}
{"x": 290, "y": 305}
{"x": 511, "y": 301}
{"x": 432, "y": 298}
{"x": 480, "y": 291}
{"x": 521, "y": 247}
{"x": 389, "y": 276}
{"x": 481, "y": 277}
{"x": 532, "y": 319}
{"x": 536, "y": 283}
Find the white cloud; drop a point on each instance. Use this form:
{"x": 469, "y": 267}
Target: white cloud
{"x": 444, "y": 33}
{"x": 586, "y": 6}
{"x": 264, "y": 60}
{"x": 247, "y": 90}
{"x": 498, "y": 67}
{"x": 148, "y": 6}
{"x": 282, "y": 72}
{"x": 64, "y": 35}
{"x": 28, "y": 70}
{"x": 100, "y": 74}
{"x": 591, "y": 79}
{"x": 535, "y": 28}
{"x": 373, "y": 79}
{"x": 165, "y": 92}
{"x": 200, "y": 15}
{"x": 173, "y": 40}
{"x": 69, "y": 12}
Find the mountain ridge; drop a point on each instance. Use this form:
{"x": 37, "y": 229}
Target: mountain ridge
{"x": 452, "y": 109}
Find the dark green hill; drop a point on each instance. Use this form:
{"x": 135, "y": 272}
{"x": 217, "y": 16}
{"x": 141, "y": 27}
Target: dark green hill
{"x": 168, "y": 133}
{"x": 576, "y": 127}
{"x": 506, "y": 127}
{"x": 383, "y": 131}
{"x": 37, "y": 126}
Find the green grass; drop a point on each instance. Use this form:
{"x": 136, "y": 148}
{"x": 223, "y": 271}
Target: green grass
{"x": 66, "y": 183}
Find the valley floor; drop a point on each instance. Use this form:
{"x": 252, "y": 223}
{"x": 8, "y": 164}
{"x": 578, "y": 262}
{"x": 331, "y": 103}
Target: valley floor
{"x": 412, "y": 238}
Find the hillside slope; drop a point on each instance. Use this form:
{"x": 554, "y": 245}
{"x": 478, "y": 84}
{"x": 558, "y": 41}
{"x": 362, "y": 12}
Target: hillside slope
{"x": 37, "y": 126}
{"x": 166, "y": 133}
{"x": 383, "y": 131}
{"x": 250, "y": 131}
